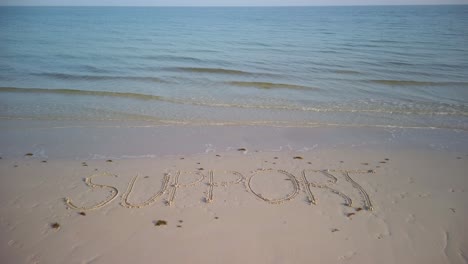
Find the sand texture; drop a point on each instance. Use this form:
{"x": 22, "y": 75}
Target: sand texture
{"x": 83, "y": 192}
{"x": 237, "y": 206}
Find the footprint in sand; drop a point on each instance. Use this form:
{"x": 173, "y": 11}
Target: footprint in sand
{"x": 347, "y": 256}
{"x": 377, "y": 228}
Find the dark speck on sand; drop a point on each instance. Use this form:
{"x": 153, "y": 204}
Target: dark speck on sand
{"x": 160, "y": 223}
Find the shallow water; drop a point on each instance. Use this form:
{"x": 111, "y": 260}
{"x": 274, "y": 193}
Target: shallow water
{"x": 288, "y": 66}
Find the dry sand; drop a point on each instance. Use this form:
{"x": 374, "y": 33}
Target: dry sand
{"x": 229, "y": 205}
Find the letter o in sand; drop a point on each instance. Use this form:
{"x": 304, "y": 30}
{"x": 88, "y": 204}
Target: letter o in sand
{"x": 288, "y": 197}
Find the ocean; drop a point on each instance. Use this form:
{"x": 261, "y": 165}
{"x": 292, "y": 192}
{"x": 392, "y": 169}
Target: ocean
{"x": 385, "y": 66}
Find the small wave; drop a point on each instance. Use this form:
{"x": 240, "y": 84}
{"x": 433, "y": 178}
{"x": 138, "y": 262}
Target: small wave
{"x": 172, "y": 58}
{"x": 155, "y": 122}
{"x": 81, "y": 92}
{"x": 210, "y": 70}
{"x": 93, "y": 69}
{"x": 346, "y": 72}
{"x": 79, "y": 77}
{"x": 417, "y": 83}
{"x": 268, "y": 85}
{"x": 194, "y": 102}
{"x": 400, "y": 63}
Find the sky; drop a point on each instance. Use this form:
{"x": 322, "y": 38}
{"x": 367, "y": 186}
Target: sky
{"x": 226, "y": 2}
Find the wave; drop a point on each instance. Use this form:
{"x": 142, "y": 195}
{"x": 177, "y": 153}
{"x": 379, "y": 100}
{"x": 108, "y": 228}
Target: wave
{"x": 173, "y": 58}
{"x": 93, "y": 69}
{"x": 417, "y": 83}
{"x": 448, "y": 111}
{"x": 268, "y": 85}
{"x": 346, "y": 72}
{"x": 210, "y": 70}
{"x": 156, "y": 122}
{"x": 81, "y": 92}
{"x": 79, "y": 77}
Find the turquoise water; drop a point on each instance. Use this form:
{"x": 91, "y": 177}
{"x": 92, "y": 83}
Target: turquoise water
{"x": 297, "y": 66}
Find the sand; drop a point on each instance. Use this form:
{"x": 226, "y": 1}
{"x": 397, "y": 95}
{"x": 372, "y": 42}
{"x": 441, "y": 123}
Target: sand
{"x": 107, "y": 194}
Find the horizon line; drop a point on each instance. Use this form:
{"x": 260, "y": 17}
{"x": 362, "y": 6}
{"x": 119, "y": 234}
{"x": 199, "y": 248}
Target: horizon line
{"x": 362, "y": 5}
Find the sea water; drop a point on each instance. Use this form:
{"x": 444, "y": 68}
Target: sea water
{"x": 386, "y": 66}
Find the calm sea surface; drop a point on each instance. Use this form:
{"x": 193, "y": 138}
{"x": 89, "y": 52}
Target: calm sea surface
{"x": 298, "y": 66}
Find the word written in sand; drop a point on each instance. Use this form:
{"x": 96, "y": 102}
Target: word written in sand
{"x": 170, "y": 186}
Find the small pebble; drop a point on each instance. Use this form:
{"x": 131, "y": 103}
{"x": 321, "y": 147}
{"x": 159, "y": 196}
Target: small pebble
{"x": 108, "y": 160}
{"x": 297, "y": 157}
{"x": 82, "y": 213}
{"x": 350, "y": 214}
{"x": 160, "y": 223}
{"x": 241, "y": 149}
{"x": 28, "y": 154}
{"x": 334, "y": 230}
{"x": 55, "y": 225}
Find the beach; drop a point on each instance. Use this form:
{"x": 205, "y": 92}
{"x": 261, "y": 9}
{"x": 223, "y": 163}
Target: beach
{"x": 367, "y": 196}
{"x": 234, "y": 134}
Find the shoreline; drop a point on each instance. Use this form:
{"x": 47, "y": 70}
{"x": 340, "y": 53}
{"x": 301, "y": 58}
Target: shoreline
{"x": 86, "y": 140}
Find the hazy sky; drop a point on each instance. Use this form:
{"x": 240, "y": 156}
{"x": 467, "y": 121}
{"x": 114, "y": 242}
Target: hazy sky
{"x": 224, "y": 2}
